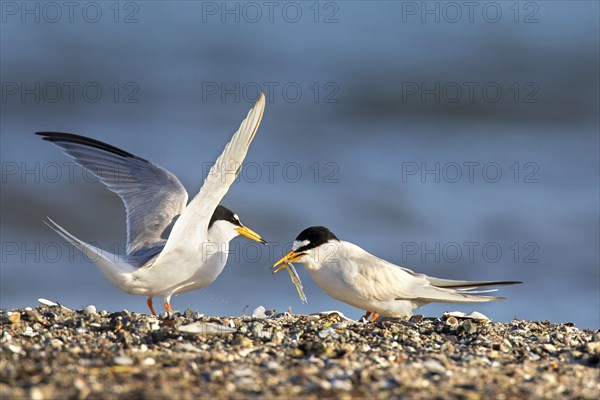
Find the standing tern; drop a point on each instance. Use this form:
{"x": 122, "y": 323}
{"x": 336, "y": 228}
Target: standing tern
{"x": 351, "y": 275}
{"x": 172, "y": 246}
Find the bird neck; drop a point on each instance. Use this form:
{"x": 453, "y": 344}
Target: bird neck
{"x": 221, "y": 232}
{"x": 328, "y": 253}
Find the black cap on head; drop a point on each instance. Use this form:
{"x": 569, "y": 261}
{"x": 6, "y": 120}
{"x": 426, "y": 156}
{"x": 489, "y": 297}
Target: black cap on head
{"x": 315, "y": 236}
{"x": 224, "y": 214}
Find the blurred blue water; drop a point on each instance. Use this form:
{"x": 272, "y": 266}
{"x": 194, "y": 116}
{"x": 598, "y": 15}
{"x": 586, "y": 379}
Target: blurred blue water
{"x": 359, "y": 134}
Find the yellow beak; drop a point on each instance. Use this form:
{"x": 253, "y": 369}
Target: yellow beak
{"x": 250, "y": 234}
{"x": 288, "y": 258}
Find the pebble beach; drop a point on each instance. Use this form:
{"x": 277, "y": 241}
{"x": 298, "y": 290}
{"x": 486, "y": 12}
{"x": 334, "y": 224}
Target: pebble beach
{"x": 52, "y": 352}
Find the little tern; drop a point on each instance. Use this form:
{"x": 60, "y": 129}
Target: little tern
{"x": 351, "y": 275}
{"x": 172, "y": 246}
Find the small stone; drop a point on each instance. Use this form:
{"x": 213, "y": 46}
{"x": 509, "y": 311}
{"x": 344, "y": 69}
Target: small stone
{"x": 6, "y": 337}
{"x": 14, "y": 348}
{"x": 243, "y": 372}
{"x": 36, "y": 394}
{"x": 505, "y": 346}
{"x": 339, "y": 326}
{"x": 13, "y": 317}
{"x": 34, "y": 316}
{"x": 339, "y": 384}
{"x": 149, "y": 361}
{"x": 415, "y": 319}
{"x": 319, "y": 386}
{"x": 243, "y": 341}
{"x": 434, "y": 366}
{"x": 82, "y": 388}
{"x": 593, "y": 347}
{"x": 469, "y": 327}
{"x": 328, "y": 332}
{"x": 447, "y": 348}
{"x": 154, "y": 326}
{"x": 186, "y": 347}
{"x": 29, "y": 332}
{"x": 122, "y": 360}
{"x": 550, "y": 348}
{"x": 256, "y": 328}
{"x": 272, "y": 365}
{"x": 265, "y": 335}
{"x": 277, "y": 337}
{"x": 90, "y": 310}
{"x": 297, "y": 335}
{"x": 259, "y": 312}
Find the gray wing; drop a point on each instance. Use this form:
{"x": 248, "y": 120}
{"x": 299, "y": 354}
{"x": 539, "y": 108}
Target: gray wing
{"x": 153, "y": 196}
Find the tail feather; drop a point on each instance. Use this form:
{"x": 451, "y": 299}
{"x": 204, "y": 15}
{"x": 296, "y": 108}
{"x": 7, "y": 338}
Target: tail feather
{"x": 473, "y": 291}
{"x": 442, "y": 295}
{"x": 452, "y": 291}
{"x": 111, "y": 265}
{"x": 453, "y": 284}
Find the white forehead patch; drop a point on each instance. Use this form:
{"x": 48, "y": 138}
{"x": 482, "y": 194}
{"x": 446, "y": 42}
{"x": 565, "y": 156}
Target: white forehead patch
{"x": 297, "y": 244}
{"x": 236, "y": 217}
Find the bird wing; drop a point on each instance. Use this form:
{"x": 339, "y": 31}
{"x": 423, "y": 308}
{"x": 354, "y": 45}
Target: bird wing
{"x": 464, "y": 285}
{"x": 375, "y": 278}
{"x": 378, "y": 279}
{"x": 153, "y": 197}
{"x": 193, "y": 222}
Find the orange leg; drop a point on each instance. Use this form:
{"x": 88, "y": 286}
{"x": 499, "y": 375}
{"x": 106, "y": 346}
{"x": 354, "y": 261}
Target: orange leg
{"x": 167, "y": 306}
{"x": 367, "y": 315}
{"x": 149, "y": 302}
{"x": 374, "y": 317}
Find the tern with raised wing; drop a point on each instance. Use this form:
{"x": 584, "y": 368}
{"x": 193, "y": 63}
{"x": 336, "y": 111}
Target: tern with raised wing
{"x": 172, "y": 246}
{"x": 351, "y": 275}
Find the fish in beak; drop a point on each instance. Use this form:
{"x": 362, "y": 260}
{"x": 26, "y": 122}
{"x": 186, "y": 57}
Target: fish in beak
{"x": 288, "y": 258}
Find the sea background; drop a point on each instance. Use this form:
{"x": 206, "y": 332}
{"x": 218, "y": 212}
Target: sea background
{"x": 461, "y": 143}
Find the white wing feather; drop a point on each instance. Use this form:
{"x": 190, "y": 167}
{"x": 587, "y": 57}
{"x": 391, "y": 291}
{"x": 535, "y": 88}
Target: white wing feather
{"x": 192, "y": 225}
{"x": 375, "y": 278}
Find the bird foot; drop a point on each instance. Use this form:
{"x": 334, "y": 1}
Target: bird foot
{"x": 370, "y": 318}
{"x": 150, "y": 306}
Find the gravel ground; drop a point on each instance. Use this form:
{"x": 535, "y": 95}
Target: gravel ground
{"x": 51, "y": 352}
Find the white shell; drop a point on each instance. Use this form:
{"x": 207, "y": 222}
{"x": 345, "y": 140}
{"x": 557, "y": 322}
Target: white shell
{"x": 205, "y": 328}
